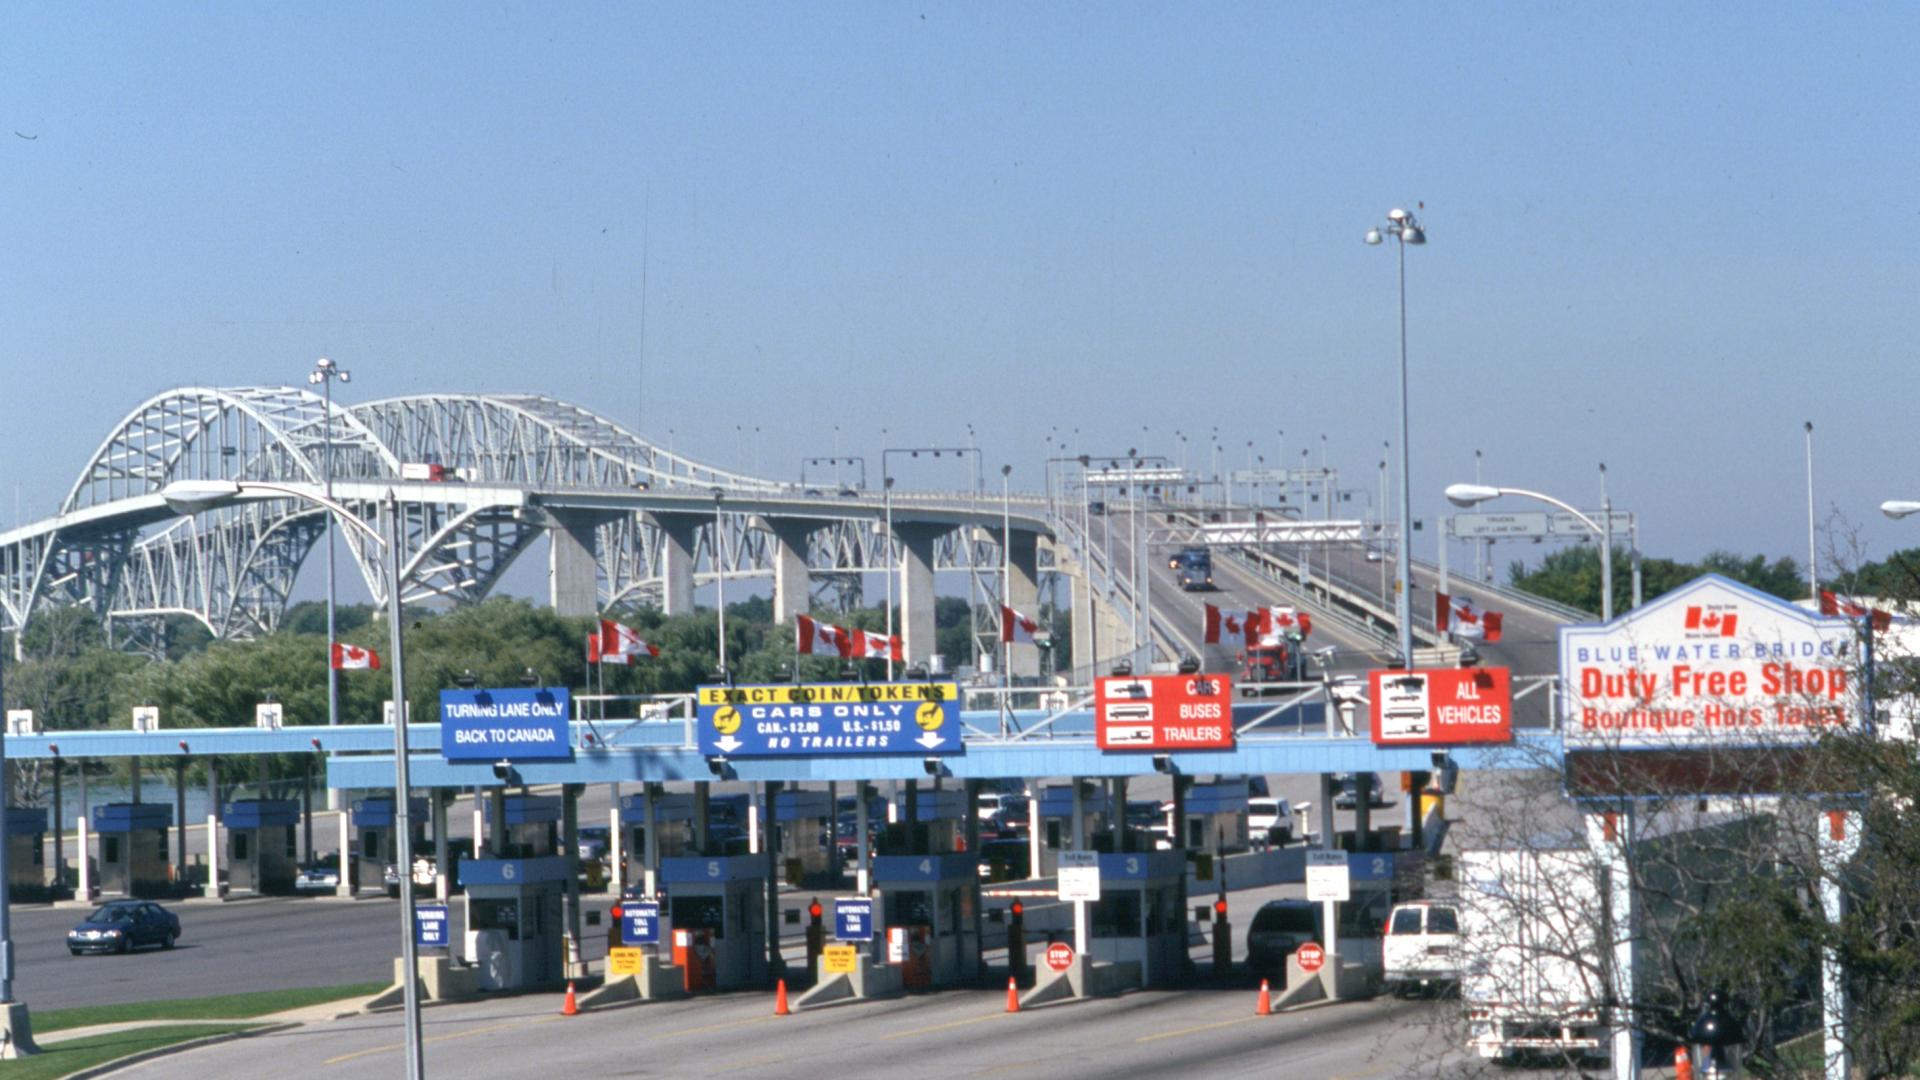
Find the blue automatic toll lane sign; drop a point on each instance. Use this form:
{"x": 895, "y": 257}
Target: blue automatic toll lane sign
{"x": 830, "y": 719}
{"x": 853, "y": 918}
{"x": 430, "y": 926}
{"x": 639, "y": 922}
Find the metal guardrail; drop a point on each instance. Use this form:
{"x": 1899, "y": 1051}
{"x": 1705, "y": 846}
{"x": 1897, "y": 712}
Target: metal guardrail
{"x": 1551, "y": 608}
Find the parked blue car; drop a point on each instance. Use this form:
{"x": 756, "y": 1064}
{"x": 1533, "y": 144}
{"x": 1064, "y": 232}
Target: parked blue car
{"x": 122, "y": 926}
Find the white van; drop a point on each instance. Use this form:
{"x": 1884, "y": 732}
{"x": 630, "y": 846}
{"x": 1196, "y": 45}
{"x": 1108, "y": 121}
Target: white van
{"x": 1421, "y": 947}
{"x": 1270, "y": 821}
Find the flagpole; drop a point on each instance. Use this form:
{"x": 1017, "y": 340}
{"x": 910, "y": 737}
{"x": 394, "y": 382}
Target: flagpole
{"x": 1006, "y": 595}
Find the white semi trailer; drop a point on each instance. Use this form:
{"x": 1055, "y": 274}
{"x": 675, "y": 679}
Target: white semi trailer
{"x": 1532, "y": 951}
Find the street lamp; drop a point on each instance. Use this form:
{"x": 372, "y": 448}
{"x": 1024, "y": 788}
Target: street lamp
{"x": 187, "y": 497}
{"x": 1006, "y": 593}
{"x": 15, "y": 1025}
{"x": 1475, "y": 494}
{"x": 720, "y": 576}
{"x": 886, "y": 553}
{"x": 1405, "y": 230}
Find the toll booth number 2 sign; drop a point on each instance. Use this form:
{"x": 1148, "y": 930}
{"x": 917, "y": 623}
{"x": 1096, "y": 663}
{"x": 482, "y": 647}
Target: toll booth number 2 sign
{"x": 1164, "y": 712}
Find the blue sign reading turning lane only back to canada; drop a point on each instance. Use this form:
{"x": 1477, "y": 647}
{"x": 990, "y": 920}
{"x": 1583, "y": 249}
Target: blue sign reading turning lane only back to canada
{"x": 830, "y": 719}
{"x": 512, "y": 724}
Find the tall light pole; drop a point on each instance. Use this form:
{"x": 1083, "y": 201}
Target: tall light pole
{"x": 720, "y": 578}
{"x": 1006, "y": 593}
{"x": 1475, "y": 494}
{"x": 1404, "y": 230}
{"x": 324, "y": 374}
{"x": 886, "y": 549}
{"x": 14, "y": 1021}
{"x": 1813, "y": 572}
{"x": 188, "y": 497}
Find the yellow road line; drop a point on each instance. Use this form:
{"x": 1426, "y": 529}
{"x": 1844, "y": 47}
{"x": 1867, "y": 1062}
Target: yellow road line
{"x": 747, "y": 1064}
{"x": 684, "y": 1032}
{"x": 1215, "y": 1026}
{"x": 941, "y": 1027}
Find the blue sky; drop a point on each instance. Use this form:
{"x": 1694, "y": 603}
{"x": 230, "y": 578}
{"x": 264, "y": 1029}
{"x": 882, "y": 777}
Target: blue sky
{"x": 1661, "y": 236}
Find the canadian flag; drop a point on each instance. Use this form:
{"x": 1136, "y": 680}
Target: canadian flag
{"x": 1466, "y": 623}
{"x": 815, "y": 638}
{"x": 619, "y": 644}
{"x": 1015, "y": 627}
{"x": 870, "y": 646}
{"x": 1261, "y": 626}
{"x": 1280, "y": 620}
{"x": 351, "y": 657}
{"x": 1840, "y": 605}
{"x": 1232, "y": 622}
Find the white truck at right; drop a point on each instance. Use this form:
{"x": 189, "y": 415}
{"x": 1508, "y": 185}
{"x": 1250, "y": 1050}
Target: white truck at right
{"x": 1532, "y": 952}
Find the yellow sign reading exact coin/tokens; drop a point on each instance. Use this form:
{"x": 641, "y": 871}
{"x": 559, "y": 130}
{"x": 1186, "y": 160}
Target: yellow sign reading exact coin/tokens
{"x": 839, "y": 959}
{"x": 623, "y": 960}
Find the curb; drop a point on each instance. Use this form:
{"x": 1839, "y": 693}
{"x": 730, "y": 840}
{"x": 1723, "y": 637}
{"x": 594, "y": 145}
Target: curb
{"x": 107, "y": 1067}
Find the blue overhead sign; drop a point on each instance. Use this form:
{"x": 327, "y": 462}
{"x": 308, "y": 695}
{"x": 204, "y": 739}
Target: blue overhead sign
{"x": 853, "y": 918}
{"x": 512, "y": 724}
{"x": 639, "y": 922}
{"x": 830, "y": 720}
{"x": 430, "y": 926}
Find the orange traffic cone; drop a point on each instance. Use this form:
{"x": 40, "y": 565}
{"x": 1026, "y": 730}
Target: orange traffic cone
{"x": 1682, "y": 1064}
{"x": 1265, "y": 1007}
{"x": 1013, "y": 995}
{"x": 780, "y": 998}
{"x": 569, "y": 1007}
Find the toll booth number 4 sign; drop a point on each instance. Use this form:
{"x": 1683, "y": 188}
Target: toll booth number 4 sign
{"x": 830, "y": 719}
{"x": 1164, "y": 712}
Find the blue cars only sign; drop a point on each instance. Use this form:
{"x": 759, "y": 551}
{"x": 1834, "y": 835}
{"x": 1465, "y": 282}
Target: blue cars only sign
{"x": 512, "y": 724}
{"x": 830, "y": 719}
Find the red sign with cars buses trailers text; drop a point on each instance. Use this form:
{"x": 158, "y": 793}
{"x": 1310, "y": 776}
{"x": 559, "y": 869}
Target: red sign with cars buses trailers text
{"x": 1441, "y": 706}
{"x": 1164, "y": 712}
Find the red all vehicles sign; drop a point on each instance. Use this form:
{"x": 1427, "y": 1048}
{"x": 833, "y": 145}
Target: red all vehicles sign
{"x": 1164, "y": 712}
{"x": 1441, "y": 706}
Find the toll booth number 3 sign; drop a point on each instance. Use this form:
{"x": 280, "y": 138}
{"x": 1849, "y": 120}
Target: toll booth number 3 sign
{"x": 1164, "y": 712}
{"x": 830, "y": 719}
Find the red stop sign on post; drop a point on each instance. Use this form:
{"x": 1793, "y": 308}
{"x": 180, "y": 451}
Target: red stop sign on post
{"x": 1059, "y": 956}
{"x": 1311, "y": 957}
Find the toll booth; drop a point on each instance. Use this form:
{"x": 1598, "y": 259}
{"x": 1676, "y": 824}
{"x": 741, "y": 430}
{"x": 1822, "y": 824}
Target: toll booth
{"x": 1055, "y": 822}
{"x": 533, "y": 826}
{"x": 717, "y": 908}
{"x": 805, "y": 827}
{"x": 940, "y": 820}
{"x": 1138, "y": 918}
{"x": 133, "y": 848}
{"x": 26, "y": 853}
{"x": 376, "y": 844}
{"x": 929, "y": 907}
{"x": 1217, "y": 816}
{"x": 515, "y": 935}
{"x": 262, "y": 844}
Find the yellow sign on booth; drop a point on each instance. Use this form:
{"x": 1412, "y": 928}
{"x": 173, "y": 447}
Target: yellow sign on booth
{"x": 623, "y": 960}
{"x": 839, "y": 959}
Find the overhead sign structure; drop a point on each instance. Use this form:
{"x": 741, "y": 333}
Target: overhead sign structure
{"x": 1712, "y": 663}
{"x": 506, "y": 724}
{"x": 1441, "y": 706}
{"x": 639, "y": 922}
{"x": 430, "y": 926}
{"x": 1527, "y": 523}
{"x": 853, "y": 918}
{"x": 829, "y": 719}
{"x": 1164, "y": 712}
{"x": 1079, "y": 876}
{"x": 1327, "y": 876}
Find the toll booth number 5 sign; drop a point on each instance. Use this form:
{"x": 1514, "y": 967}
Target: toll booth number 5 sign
{"x": 1164, "y": 712}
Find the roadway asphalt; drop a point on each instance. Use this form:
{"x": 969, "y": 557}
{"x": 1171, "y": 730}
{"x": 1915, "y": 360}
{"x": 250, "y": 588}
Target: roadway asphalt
{"x": 956, "y": 1033}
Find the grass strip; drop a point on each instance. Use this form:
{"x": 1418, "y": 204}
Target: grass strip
{"x": 63, "y": 1058}
{"x": 221, "y": 1007}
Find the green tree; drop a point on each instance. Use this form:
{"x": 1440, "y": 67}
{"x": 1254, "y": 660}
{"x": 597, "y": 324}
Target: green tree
{"x": 1572, "y": 576}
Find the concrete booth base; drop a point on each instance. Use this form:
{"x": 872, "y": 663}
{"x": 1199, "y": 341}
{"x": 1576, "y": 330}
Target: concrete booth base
{"x": 438, "y": 979}
{"x": 868, "y": 980}
{"x": 1339, "y": 980}
{"x": 657, "y": 981}
{"x": 1083, "y": 978}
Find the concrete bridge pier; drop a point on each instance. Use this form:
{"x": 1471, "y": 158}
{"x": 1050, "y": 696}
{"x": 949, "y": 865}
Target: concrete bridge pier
{"x": 792, "y": 582}
{"x": 679, "y": 533}
{"x": 1023, "y": 594}
{"x": 573, "y": 568}
{"x": 919, "y": 639}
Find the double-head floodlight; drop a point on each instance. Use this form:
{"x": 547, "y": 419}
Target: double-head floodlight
{"x": 324, "y": 369}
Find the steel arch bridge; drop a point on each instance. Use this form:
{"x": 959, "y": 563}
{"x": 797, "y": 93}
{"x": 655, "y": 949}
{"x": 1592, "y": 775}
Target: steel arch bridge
{"x": 525, "y": 463}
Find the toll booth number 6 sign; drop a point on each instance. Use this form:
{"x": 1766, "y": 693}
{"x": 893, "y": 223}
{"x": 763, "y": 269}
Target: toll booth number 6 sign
{"x": 1164, "y": 712}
